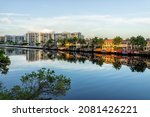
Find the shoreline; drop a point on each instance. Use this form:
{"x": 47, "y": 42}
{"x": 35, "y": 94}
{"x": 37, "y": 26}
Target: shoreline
{"x": 83, "y": 51}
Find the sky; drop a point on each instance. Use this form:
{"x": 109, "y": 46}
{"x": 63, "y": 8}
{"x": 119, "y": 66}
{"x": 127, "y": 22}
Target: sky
{"x": 102, "y": 18}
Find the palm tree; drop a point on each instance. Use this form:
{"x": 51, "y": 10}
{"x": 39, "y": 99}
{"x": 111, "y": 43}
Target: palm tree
{"x": 117, "y": 41}
{"x": 82, "y": 42}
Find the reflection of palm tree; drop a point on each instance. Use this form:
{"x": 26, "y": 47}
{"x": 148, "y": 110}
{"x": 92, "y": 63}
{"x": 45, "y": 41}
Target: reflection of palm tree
{"x": 4, "y": 63}
{"x": 138, "y": 66}
{"x": 41, "y": 85}
{"x": 117, "y": 64}
{"x": 98, "y": 61}
{"x": 135, "y": 65}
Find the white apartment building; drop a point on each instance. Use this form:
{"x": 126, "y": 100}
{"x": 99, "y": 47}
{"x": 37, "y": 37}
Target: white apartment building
{"x": 15, "y": 39}
{"x": 34, "y": 37}
{"x": 67, "y": 35}
{"x": 19, "y": 39}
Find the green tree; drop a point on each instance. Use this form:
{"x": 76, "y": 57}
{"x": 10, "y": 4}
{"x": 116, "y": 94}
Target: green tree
{"x": 82, "y": 42}
{"x": 4, "y": 63}
{"x": 101, "y": 42}
{"x": 49, "y": 42}
{"x": 117, "y": 40}
{"x": 94, "y": 43}
{"x": 43, "y": 84}
{"x": 138, "y": 42}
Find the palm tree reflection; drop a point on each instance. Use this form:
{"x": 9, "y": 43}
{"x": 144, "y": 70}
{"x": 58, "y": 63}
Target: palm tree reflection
{"x": 136, "y": 64}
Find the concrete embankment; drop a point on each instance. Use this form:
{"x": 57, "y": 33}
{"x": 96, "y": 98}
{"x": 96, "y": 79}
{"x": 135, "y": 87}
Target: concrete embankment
{"x": 18, "y": 46}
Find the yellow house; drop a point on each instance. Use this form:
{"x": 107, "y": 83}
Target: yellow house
{"x": 108, "y": 45}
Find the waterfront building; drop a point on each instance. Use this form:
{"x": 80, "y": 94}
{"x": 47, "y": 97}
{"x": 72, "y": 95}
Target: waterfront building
{"x": 2, "y": 39}
{"x": 65, "y": 35}
{"x": 76, "y": 34}
{"x": 147, "y": 48}
{"x": 19, "y": 39}
{"x": 126, "y": 45}
{"x": 108, "y": 45}
{"x": 9, "y": 39}
{"x": 44, "y": 37}
{"x": 37, "y": 38}
{"x": 32, "y": 38}
{"x": 14, "y": 39}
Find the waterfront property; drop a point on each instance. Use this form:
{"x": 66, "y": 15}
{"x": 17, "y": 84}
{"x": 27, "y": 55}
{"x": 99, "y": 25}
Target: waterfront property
{"x": 76, "y": 42}
{"x": 34, "y": 38}
{"x": 14, "y": 39}
{"x": 108, "y": 46}
{"x": 147, "y": 47}
{"x": 2, "y": 39}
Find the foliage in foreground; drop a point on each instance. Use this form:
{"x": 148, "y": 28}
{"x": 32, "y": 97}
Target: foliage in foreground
{"x": 43, "y": 84}
{"x": 4, "y": 63}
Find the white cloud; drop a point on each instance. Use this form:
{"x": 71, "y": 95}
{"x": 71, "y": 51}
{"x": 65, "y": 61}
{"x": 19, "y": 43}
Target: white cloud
{"x": 14, "y": 14}
{"x": 90, "y": 25}
{"x": 6, "y": 20}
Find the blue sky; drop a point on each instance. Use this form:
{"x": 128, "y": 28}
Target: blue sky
{"x": 103, "y": 18}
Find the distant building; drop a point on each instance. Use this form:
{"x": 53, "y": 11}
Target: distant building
{"x": 34, "y": 38}
{"x": 2, "y": 39}
{"x": 19, "y": 39}
{"x": 14, "y": 39}
{"x": 67, "y": 35}
{"x": 9, "y": 38}
{"x": 76, "y": 34}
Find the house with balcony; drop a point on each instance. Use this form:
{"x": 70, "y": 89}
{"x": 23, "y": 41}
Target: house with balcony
{"x": 108, "y": 45}
{"x": 147, "y": 47}
{"x": 37, "y": 38}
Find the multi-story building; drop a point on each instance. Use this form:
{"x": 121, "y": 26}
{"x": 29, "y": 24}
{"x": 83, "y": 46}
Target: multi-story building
{"x": 2, "y": 39}
{"x": 9, "y": 38}
{"x": 126, "y": 45}
{"x": 14, "y": 39}
{"x": 44, "y": 37}
{"x": 19, "y": 39}
{"x": 76, "y": 34}
{"x": 34, "y": 38}
{"x": 67, "y": 35}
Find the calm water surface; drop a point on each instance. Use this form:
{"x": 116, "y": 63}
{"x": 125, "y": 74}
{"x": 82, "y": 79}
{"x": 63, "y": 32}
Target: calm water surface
{"x": 102, "y": 77}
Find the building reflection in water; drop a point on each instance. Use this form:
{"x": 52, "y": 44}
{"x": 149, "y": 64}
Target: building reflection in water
{"x": 36, "y": 55}
{"x": 135, "y": 63}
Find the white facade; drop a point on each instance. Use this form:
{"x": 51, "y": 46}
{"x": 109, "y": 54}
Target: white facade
{"x": 14, "y": 39}
{"x": 34, "y": 37}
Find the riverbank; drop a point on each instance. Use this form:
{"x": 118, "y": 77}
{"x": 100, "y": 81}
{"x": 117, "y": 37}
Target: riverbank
{"x": 77, "y": 50}
{"x": 20, "y": 46}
